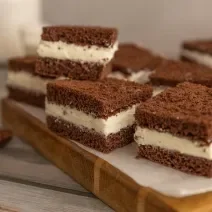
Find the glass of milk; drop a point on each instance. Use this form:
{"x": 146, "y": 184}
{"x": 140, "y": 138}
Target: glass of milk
{"x": 20, "y": 27}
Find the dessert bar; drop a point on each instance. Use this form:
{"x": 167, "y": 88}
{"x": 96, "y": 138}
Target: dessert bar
{"x": 174, "y": 129}
{"x": 197, "y": 51}
{"x": 134, "y": 63}
{"x": 81, "y": 53}
{"x": 97, "y": 114}
{"x": 23, "y": 84}
{"x": 171, "y": 73}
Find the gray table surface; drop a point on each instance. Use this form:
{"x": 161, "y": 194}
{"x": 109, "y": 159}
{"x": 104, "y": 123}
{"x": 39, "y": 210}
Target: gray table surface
{"x": 29, "y": 183}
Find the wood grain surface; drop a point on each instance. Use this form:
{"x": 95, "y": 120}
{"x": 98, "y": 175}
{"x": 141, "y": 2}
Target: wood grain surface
{"x": 29, "y": 182}
{"x": 108, "y": 183}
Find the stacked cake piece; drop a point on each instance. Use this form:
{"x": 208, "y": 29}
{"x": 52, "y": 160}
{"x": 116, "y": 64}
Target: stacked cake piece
{"x": 198, "y": 51}
{"x": 75, "y": 52}
{"x": 174, "y": 129}
{"x": 134, "y": 63}
{"x": 97, "y": 114}
{"x": 170, "y": 73}
{"x": 24, "y": 84}
{"x": 82, "y": 53}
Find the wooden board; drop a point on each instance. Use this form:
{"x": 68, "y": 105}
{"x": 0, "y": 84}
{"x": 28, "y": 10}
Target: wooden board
{"x": 96, "y": 175}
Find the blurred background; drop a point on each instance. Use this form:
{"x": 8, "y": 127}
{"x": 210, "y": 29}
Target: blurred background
{"x": 160, "y": 25}
{"x": 27, "y": 181}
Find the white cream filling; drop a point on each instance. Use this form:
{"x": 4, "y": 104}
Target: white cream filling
{"x": 117, "y": 75}
{"x": 27, "y": 81}
{"x": 141, "y": 77}
{"x": 198, "y": 57}
{"x": 158, "y": 89}
{"x": 144, "y": 136}
{"x": 64, "y": 51}
{"x": 113, "y": 124}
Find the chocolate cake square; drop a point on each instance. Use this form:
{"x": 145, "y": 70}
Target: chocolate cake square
{"x": 174, "y": 128}
{"x": 97, "y": 114}
{"x": 23, "y": 84}
{"x": 171, "y": 73}
{"x": 197, "y": 51}
{"x": 134, "y": 63}
{"x": 76, "y": 52}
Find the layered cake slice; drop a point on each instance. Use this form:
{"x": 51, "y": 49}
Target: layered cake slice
{"x": 170, "y": 73}
{"x": 24, "y": 84}
{"x": 174, "y": 128}
{"x": 81, "y": 53}
{"x": 134, "y": 63}
{"x": 197, "y": 51}
{"x": 98, "y": 114}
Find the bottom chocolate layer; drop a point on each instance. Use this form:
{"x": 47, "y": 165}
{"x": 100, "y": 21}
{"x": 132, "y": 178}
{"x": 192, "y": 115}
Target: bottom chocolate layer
{"x": 185, "y": 59}
{"x": 74, "y": 70}
{"x": 25, "y": 96}
{"x": 176, "y": 160}
{"x": 89, "y": 137}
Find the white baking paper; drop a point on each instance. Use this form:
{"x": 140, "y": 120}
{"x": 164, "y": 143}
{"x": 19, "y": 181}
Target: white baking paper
{"x": 163, "y": 179}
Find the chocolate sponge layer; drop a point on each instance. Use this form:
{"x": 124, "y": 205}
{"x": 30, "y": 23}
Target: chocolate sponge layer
{"x": 185, "y": 110}
{"x": 22, "y": 64}
{"x": 176, "y": 160}
{"x": 50, "y": 67}
{"x": 81, "y": 35}
{"x": 101, "y": 98}
{"x": 133, "y": 58}
{"x": 203, "y": 46}
{"x": 171, "y": 73}
{"x": 91, "y": 138}
{"x": 31, "y": 98}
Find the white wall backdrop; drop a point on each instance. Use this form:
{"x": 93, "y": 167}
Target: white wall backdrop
{"x": 158, "y": 24}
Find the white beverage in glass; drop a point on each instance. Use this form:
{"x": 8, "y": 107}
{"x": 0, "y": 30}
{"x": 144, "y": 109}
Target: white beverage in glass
{"x": 17, "y": 17}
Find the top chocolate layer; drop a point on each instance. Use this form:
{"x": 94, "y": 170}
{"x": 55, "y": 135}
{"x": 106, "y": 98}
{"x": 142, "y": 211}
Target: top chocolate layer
{"x": 22, "y": 64}
{"x": 185, "y": 110}
{"x": 204, "y": 46}
{"x": 170, "y": 73}
{"x": 26, "y": 64}
{"x": 101, "y": 99}
{"x": 81, "y": 35}
{"x": 130, "y": 56}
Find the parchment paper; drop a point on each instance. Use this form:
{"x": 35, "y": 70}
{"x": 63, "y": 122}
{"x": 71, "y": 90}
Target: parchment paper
{"x": 163, "y": 179}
